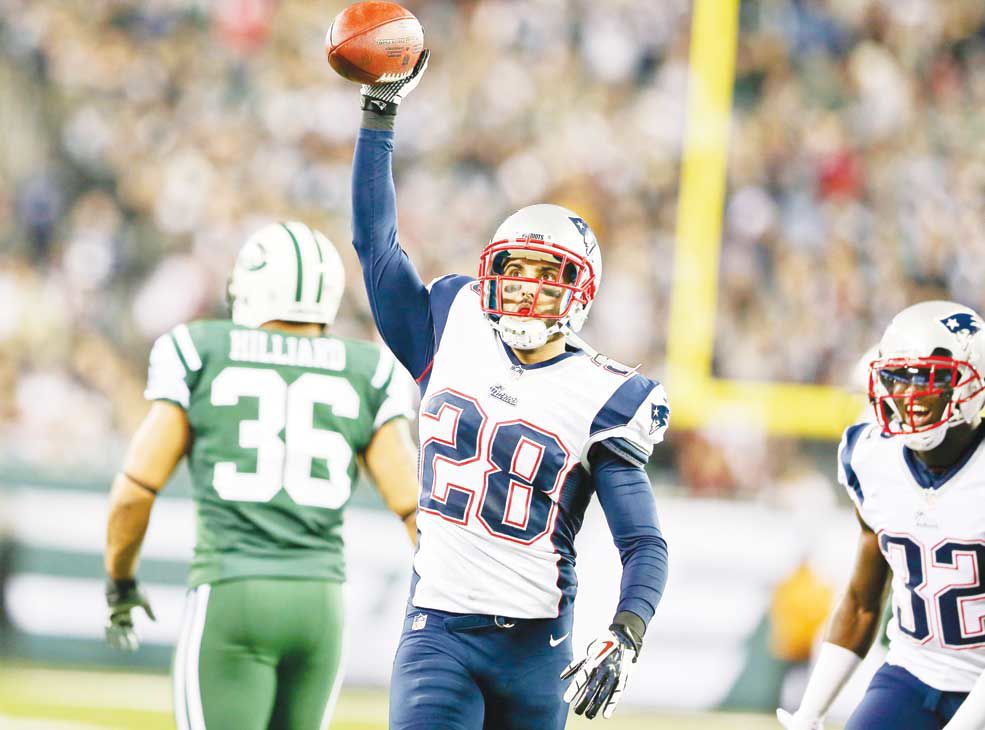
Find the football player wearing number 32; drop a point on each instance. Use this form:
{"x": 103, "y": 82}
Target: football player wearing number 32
{"x": 520, "y": 423}
{"x": 918, "y": 486}
{"x": 272, "y": 413}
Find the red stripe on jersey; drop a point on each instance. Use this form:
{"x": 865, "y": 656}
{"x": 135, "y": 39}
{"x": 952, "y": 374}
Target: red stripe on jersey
{"x": 420, "y": 377}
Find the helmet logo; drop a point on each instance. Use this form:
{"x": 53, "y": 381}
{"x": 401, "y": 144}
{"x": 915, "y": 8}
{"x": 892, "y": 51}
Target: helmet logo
{"x": 255, "y": 258}
{"x": 961, "y": 323}
{"x": 586, "y": 234}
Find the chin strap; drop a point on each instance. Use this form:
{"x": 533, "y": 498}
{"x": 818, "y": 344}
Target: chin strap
{"x": 523, "y": 334}
{"x": 931, "y": 439}
{"x": 925, "y": 440}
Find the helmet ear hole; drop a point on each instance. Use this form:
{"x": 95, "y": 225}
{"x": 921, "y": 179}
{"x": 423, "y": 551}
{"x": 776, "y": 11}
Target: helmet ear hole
{"x": 493, "y": 297}
{"x": 570, "y": 273}
{"x": 286, "y": 271}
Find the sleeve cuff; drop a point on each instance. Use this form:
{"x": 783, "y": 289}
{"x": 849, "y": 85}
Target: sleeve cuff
{"x": 631, "y": 621}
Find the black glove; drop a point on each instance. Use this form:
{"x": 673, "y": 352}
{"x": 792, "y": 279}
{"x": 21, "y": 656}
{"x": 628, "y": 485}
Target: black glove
{"x": 122, "y": 596}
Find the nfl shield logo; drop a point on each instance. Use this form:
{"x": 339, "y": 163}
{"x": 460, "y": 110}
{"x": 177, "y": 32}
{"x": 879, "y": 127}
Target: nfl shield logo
{"x": 419, "y": 622}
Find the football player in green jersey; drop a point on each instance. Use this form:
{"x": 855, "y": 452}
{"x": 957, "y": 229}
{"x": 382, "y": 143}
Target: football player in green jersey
{"x": 272, "y": 412}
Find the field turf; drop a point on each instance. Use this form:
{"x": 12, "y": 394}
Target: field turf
{"x": 35, "y": 698}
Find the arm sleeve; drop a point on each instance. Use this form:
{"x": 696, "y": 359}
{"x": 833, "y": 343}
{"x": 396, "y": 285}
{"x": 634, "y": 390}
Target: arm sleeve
{"x": 631, "y": 512}
{"x": 397, "y": 296}
{"x": 174, "y": 365}
{"x": 832, "y": 670}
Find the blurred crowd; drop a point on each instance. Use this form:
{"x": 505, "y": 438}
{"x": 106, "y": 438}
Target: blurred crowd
{"x": 857, "y": 179}
{"x": 143, "y": 140}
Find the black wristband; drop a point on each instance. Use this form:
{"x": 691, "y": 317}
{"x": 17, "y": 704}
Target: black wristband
{"x": 116, "y": 589}
{"x": 386, "y": 108}
{"x": 631, "y": 625}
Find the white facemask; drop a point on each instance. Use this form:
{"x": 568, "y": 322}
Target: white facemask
{"x": 522, "y": 334}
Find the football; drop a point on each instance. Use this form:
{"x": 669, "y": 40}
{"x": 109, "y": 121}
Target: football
{"x": 374, "y": 42}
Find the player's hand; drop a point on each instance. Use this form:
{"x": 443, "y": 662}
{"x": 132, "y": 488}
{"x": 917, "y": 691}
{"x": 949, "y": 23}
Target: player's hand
{"x": 600, "y": 677}
{"x": 122, "y": 596}
{"x": 793, "y": 722}
{"x": 385, "y": 98}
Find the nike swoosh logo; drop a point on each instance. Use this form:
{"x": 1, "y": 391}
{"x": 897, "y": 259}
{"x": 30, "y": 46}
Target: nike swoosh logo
{"x": 605, "y": 649}
{"x": 555, "y": 642}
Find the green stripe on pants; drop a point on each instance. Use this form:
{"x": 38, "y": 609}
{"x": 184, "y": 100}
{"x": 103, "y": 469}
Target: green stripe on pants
{"x": 259, "y": 653}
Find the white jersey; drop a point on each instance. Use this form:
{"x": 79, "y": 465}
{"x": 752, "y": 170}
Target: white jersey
{"x": 504, "y": 462}
{"x": 932, "y": 533}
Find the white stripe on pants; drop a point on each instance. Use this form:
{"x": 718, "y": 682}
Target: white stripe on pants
{"x": 187, "y": 692}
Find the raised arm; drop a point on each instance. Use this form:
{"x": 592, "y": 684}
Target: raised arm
{"x": 397, "y": 296}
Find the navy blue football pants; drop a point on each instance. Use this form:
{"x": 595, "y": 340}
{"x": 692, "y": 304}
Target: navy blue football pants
{"x": 468, "y": 672}
{"x": 896, "y": 699}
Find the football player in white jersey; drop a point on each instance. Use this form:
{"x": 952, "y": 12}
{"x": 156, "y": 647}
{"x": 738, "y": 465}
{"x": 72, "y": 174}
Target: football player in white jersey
{"x": 917, "y": 480}
{"x": 520, "y": 423}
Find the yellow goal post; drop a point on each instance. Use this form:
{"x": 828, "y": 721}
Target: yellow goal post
{"x": 698, "y": 398}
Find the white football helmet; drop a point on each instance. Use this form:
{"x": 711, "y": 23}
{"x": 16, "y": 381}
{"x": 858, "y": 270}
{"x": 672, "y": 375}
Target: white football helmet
{"x": 930, "y": 350}
{"x": 286, "y": 271}
{"x": 551, "y": 233}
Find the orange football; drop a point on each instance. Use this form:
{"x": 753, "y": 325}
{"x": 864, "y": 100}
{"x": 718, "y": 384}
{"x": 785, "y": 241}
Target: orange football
{"x": 374, "y": 42}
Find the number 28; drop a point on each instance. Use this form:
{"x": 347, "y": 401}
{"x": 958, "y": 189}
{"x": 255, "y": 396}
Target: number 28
{"x": 526, "y": 465}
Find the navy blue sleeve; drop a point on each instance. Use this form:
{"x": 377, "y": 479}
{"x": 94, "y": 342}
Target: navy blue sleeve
{"x": 397, "y": 296}
{"x": 631, "y": 511}
{"x": 846, "y": 473}
{"x": 443, "y": 293}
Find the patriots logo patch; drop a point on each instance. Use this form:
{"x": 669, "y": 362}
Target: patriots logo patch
{"x": 580, "y": 224}
{"x": 962, "y": 322}
{"x": 658, "y": 417}
{"x": 586, "y": 233}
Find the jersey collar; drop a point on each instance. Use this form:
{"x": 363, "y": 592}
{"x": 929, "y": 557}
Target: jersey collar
{"x": 927, "y": 478}
{"x": 515, "y": 361}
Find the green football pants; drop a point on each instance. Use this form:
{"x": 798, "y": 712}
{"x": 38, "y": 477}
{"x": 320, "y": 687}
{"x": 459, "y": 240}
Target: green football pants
{"x": 259, "y": 653}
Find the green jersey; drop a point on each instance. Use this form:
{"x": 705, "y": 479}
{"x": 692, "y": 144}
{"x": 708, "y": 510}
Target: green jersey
{"x": 276, "y": 423}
